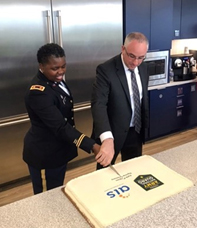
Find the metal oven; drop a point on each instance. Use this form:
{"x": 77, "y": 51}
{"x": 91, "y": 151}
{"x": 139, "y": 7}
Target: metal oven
{"x": 158, "y": 62}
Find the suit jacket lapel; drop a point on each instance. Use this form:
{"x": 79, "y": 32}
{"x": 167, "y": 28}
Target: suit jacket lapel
{"x": 143, "y": 79}
{"x": 122, "y": 77}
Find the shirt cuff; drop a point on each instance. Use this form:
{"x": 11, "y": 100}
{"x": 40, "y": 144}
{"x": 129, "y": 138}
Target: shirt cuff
{"x": 106, "y": 135}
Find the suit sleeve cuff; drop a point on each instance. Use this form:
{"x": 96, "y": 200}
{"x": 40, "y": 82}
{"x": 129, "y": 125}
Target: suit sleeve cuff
{"x": 106, "y": 135}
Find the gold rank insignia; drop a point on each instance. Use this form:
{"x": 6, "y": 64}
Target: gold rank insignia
{"x": 37, "y": 87}
{"x": 79, "y": 141}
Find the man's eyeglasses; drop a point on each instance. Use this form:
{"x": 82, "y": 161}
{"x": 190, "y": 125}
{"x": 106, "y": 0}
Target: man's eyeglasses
{"x": 133, "y": 57}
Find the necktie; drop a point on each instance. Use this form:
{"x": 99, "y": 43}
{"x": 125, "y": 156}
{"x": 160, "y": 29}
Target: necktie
{"x": 64, "y": 87}
{"x": 137, "y": 105}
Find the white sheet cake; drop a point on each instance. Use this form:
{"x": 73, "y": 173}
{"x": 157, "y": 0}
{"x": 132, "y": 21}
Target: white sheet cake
{"x": 105, "y": 198}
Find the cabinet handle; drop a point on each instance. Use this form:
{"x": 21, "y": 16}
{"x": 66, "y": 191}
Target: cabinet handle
{"x": 179, "y": 107}
{"x": 176, "y": 33}
{"x": 180, "y": 91}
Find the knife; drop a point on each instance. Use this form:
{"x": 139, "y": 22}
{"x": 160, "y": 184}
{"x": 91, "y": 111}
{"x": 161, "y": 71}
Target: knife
{"x": 111, "y": 166}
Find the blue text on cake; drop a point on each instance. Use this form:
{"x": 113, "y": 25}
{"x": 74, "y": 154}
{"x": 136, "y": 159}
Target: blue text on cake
{"x": 122, "y": 191}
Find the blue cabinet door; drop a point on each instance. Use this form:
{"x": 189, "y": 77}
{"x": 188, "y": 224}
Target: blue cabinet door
{"x": 161, "y": 111}
{"x": 161, "y": 24}
{"x": 186, "y": 107}
{"x": 176, "y": 19}
{"x": 154, "y": 18}
{"x": 137, "y": 17}
{"x": 189, "y": 19}
{"x": 172, "y": 109}
{"x": 184, "y": 19}
{"x": 181, "y": 109}
{"x": 193, "y": 102}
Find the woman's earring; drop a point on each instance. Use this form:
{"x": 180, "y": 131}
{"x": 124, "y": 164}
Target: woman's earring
{"x": 40, "y": 70}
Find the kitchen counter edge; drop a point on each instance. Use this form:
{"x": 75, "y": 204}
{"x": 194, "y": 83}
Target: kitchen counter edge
{"x": 163, "y": 86}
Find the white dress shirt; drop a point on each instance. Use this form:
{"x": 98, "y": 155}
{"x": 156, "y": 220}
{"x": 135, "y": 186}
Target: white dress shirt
{"x": 128, "y": 75}
{"x": 108, "y": 134}
{"x": 63, "y": 87}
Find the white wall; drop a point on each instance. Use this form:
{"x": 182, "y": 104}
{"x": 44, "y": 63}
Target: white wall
{"x": 179, "y": 45}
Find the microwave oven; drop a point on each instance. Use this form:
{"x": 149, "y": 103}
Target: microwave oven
{"x": 157, "y": 63}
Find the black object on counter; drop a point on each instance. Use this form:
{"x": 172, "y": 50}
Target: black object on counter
{"x": 182, "y": 67}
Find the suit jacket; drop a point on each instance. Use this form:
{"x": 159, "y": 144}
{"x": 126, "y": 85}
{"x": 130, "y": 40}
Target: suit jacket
{"x": 111, "y": 104}
{"x": 52, "y": 140}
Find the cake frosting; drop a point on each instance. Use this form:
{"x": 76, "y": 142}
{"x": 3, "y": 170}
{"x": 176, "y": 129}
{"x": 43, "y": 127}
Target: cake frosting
{"x": 104, "y": 198}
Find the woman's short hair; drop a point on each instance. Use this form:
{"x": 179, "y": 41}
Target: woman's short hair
{"x": 48, "y": 50}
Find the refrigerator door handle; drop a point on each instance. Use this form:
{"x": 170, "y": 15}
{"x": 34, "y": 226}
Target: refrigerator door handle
{"x": 14, "y": 120}
{"x": 58, "y": 15}
{"x": 82, "y": 107}
{"x": 48, "y": 16}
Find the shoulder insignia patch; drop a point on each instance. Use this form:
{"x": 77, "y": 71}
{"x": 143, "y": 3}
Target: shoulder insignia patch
{"x": 37, "y": 87}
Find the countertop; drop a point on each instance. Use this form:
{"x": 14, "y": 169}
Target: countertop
{"x": 163, "y": 86}
{"x": 52, "y": 209}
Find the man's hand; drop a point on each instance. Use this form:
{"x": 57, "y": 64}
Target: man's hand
{"x": 106, "y": 153}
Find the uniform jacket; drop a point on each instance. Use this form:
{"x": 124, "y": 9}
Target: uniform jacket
{"x": 52, "y": 140}
{"x": 111, "y": 104}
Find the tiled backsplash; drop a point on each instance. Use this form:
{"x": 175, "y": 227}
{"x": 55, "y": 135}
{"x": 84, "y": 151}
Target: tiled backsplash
{"x": 178, "y": 46}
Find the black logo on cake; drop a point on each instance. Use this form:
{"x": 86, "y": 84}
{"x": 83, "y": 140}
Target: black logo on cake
{"x": 148, "y": 182}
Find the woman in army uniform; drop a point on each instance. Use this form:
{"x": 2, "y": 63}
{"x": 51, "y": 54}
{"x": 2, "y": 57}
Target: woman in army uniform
{"x": 52, "y": 139}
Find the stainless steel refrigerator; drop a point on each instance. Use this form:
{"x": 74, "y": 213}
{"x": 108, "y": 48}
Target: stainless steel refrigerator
{"x": 89, "y": 31}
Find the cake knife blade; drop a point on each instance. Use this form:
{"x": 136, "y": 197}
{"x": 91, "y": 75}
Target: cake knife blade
{"x": 111, "y": 166}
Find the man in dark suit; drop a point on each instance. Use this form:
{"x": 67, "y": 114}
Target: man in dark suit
{"x": 113, "y": 107}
